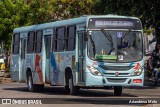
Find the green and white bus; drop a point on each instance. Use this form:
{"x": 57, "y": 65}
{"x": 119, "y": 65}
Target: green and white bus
{"x": 85, "y": 52}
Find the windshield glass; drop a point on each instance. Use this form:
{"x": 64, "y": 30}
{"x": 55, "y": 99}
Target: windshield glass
{"x": 115, "y": 46}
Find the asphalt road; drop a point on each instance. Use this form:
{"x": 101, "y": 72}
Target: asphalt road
{"x": 92, "y": 97}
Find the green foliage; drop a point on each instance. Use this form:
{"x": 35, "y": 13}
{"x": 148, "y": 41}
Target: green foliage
{"x": 147, "y": 31}
{"x": 17, "y": 13}
{"x": 11, "y": 16}
{"x": 146, "y": 10}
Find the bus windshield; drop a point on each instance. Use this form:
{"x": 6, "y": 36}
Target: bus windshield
{"x": 115, "y": 46}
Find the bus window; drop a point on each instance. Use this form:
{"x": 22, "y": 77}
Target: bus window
{"x": 59, "y": 46}
{"x": 70, "y": 40}
{"x": 23, "y": 48}
{"x": 38, "y": 42}
{"x": 48, "y": 46}
{"x": 30, "y": 42}
{"x": 16, "y": 39}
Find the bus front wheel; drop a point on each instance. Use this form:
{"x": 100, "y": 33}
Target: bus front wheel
{"x": 70, "y": 87}
{"x": 117, "y": 90}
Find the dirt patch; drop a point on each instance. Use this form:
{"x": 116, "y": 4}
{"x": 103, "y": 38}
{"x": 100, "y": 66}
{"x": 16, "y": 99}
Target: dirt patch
{"x": 5, "y": 80}
{"x": 5, "y": 77}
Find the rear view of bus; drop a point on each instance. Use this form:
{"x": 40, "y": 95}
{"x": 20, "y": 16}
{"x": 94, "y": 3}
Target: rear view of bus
{"x": 114, "y": 52}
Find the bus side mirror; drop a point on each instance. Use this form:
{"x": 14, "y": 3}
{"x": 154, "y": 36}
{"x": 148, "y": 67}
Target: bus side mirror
{"x": 85, "y": 36}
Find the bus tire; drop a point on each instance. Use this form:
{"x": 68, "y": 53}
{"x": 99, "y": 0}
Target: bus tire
{"x": 39, "y": 88}
{"x": 67, "y": 76}
{"x": 72, "y": 89}
{"x": 67, "y": 88}
{"x": 31, "y": 86}
{"x": 117, "y": 90}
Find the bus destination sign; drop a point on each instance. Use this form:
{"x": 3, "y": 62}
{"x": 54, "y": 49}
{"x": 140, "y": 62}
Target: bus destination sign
{"x": 114, "y": 23}
{"x": 101, "y": 23}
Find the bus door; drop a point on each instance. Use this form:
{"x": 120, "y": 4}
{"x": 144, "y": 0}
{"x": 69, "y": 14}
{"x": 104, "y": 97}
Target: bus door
{"x": 22, "y": 63}
{"x": 81, "y": 45}
{"x": 47, "y": 57}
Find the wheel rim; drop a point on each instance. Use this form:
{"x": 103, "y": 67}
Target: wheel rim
{"x": 70, "y": 85}
{"x": 30, "y": 83}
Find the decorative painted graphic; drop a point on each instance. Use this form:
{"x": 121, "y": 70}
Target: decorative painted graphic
{"x": 137, "y": 66}
{"x": 68, "y": 58}
{"x": 37, "y": 67}
{"x": 54, "y": 66}
{"x": 131, "y": 64}
{"x": 59, "y": 58}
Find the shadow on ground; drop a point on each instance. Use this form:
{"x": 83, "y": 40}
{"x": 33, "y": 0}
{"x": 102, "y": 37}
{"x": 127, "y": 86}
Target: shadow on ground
{"x": 81, "y": 93}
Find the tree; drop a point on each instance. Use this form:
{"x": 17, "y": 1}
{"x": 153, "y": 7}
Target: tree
{"x": 12, "y": 15}
{"x": 17, "y": 13}
{"x": 146, "y": 10}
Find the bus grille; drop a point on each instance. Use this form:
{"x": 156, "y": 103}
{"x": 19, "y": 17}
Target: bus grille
{"x": 116, "y": 80}
{"x": 115, "y": 68}
{"x": 120, "y": 74}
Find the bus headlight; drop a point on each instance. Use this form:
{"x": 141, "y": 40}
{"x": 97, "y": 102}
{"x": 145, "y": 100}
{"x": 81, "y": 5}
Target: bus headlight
{"x": 93, "y": 70}
{"x": 138, "y": 71}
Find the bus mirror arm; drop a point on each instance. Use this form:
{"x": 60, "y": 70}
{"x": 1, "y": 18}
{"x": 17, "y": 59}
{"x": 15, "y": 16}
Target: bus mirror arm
{"x": 85, "y": 36}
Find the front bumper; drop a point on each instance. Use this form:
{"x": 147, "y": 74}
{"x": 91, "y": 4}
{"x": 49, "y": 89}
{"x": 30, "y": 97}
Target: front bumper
{"x": 101, "y": 81}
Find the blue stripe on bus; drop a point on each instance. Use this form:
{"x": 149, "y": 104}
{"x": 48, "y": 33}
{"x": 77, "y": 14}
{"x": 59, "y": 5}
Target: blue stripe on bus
{"x": 53, "y": 62}
{"x": 55, "y": 71}
{"x": 131, "y": 64}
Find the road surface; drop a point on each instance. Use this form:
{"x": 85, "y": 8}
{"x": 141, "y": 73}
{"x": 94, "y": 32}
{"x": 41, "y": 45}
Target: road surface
{"x": 92, "y": 97}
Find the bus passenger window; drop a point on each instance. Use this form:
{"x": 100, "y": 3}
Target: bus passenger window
{"x": 30, "y": 42}
{"x": 38, "y": 42}
{"x": 59, "y": 41}
{"x": 70, "y": 40}
{"x": 16, "y": 40}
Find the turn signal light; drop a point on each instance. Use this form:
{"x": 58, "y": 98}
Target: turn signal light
{"x": 137, "y": 80}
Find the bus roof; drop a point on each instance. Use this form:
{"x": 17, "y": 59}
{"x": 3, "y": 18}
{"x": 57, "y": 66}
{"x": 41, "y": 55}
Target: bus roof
{"x": 73, "y": 21}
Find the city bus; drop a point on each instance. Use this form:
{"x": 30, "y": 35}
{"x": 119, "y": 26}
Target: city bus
{"x": 86, "y": 52}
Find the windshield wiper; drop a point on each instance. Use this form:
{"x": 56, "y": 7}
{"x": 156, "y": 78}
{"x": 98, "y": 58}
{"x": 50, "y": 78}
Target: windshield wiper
{"x": 126, "y": 34}
{"x": 109, "y": 39}
{"x": 106, "y": 35}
